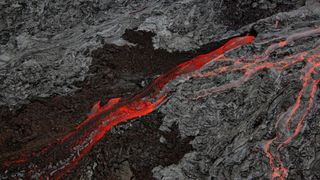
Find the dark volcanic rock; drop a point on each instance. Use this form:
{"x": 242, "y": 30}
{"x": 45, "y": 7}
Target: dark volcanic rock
{"x": 58, "y": 58}
{"x": 44, "y": 119}
{"x": 44, "y": 44}
{"x": 237, "y": 13}
{"x": 133, "y": 149}
{"x": 232, "y": 125}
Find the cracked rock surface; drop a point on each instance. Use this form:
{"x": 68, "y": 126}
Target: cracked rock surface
{"x": 232, "y": 126}
{"x": 64, "y": 50}
{"x": 45, "y": 45}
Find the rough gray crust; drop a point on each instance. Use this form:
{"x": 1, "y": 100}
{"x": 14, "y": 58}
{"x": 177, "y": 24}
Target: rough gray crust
{"x": 45, "y": 45}
{"x": 231, "y": 127}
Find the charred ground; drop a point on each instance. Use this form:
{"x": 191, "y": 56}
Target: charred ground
{"x": 133, "y": 148}
{"x": 116, "y": 71}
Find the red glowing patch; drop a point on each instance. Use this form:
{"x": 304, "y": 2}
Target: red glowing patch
{"x": 285, "y": 133}
{"x": 100, "y": 120}
{"x": 78, "y": 142}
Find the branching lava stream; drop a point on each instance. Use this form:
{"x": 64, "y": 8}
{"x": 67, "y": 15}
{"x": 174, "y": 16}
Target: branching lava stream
{"x": 101, "y": 119}
{"x": 79, "y": 141}
{"x": 290, "y": 123}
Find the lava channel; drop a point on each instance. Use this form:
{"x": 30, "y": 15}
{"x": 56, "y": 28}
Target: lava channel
{"x": 289, "y": 125}
{"x": 101, "y": 119}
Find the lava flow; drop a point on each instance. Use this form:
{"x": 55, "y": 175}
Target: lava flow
{"x": 101, "y": 119}
{"x": 290, "y": 123}
{"x": 79, "y": 141}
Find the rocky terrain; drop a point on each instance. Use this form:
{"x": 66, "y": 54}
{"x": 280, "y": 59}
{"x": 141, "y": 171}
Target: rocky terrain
{"x": 251, "y": 114}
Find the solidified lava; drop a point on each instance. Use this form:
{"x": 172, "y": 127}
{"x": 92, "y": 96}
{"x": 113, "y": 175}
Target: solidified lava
{"x": 78, "y": 142}
{"x": 102, "y": 118}
{"x": 289, "y": 125}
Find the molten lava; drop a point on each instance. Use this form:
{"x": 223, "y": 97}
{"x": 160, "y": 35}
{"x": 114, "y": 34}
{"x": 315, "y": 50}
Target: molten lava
{"x": 101, "y": 119}
{"x": 285, "y": 133}
{"x": 79, "y": 141}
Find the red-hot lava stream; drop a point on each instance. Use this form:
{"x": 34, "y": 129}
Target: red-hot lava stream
{"x": 64, "y": 154}
{"x": 79, "y": 141}
{"x": 290, "y": 123}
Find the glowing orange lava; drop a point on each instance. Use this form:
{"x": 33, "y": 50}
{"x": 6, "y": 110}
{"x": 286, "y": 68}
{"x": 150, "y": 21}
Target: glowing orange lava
{"x": 85, "y": 135}
{"x": 285, "y": 133}
{"x": 101, "y": 119}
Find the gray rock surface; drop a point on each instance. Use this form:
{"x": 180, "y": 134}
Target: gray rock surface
{"x": 231, "y": 126}
{"x": 45, "y": 45}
